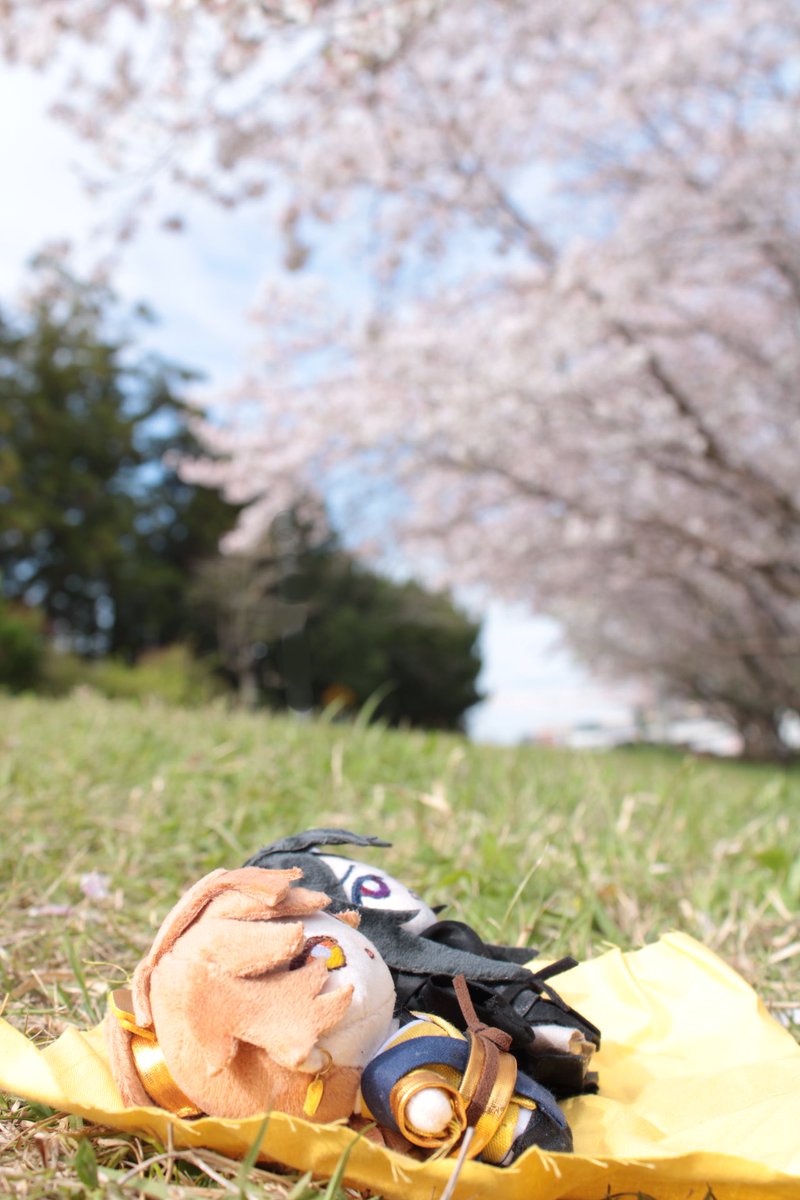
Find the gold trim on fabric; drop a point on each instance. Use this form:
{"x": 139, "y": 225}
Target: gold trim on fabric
{"x": 407, "y": 1087}
{"x": 148, "y": 1058}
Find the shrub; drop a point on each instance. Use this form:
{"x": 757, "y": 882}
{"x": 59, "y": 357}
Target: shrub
{"x": 171, "y": 674}
{"x": 62, "y": 672}
{"x": 21, "y": 646}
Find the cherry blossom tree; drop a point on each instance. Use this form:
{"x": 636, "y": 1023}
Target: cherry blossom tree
{"x": 565, "y": 323}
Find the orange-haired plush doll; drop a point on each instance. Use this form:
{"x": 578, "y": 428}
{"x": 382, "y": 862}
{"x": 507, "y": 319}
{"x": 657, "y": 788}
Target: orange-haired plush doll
{"x": 253, "y": 998}
{"x": 250, "y": 996}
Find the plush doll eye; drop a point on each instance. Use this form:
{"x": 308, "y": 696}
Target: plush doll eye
{"x": 370, "y": 887}
{"x": 321, "y": 947}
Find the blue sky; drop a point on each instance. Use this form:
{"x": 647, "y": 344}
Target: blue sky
{"x": 201, "y": 284}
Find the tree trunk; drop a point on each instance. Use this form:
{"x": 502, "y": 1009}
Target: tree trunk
{"x": 248, "y": 686}
{"x": 761, "y": 737}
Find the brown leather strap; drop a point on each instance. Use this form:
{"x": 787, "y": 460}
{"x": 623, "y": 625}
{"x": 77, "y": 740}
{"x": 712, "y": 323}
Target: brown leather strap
{"x": 497, "y": 1037}
{"x": 486, "y": 1082}
{"x": 486, "y": 1045}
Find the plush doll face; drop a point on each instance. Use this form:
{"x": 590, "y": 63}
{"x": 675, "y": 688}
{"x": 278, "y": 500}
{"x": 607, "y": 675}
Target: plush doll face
{"x": 352, "y": 962}
{"x": 371, "y": 887}
{"x": 254, "y": 999}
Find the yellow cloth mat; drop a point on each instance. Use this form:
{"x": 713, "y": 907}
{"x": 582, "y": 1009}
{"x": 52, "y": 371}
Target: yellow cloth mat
{"x": 700, "y": 1097}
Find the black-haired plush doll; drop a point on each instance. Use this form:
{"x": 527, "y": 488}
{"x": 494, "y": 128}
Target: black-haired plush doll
{"x": 553, "y": 1044}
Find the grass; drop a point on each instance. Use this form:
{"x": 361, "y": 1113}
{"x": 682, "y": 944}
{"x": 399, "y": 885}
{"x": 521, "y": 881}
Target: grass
{"x": 563, "y": 850}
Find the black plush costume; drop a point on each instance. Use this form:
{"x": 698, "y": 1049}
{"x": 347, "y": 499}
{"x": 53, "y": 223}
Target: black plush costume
{"x": 505, "y": 993}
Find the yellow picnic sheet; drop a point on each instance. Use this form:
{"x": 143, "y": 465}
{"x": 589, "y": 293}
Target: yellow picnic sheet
{"x": 699, "y": 1097}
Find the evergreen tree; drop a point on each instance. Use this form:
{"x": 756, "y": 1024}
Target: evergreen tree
{"x": 95, "y": 529}
{"x": 301, "y": 622}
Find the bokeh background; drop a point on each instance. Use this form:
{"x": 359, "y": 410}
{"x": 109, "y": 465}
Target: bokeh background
{"x": 332, "y": 332}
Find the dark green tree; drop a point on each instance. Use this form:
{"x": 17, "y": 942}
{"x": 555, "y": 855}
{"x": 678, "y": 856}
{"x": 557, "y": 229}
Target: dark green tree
{"x": 302, "y": 623}
{"x": 95, "y": 528}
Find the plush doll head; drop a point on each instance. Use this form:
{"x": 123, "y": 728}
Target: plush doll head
{"x": 251, "y": 998}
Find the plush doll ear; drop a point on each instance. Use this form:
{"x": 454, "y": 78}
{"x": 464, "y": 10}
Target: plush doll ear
{"x": 266, "y": 888}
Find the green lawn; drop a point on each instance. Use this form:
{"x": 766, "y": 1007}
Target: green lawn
{"x": 563, "y": 850}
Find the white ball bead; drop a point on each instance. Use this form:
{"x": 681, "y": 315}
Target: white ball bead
{"x": 429, "y": 1110}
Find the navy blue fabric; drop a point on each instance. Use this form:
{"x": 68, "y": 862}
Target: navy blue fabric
{"x": 383, "y": 1072}
{"x": 528, "y": 1087}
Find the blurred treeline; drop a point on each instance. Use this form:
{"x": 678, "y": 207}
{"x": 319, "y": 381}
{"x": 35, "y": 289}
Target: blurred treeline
{"x": 111, "y": 573}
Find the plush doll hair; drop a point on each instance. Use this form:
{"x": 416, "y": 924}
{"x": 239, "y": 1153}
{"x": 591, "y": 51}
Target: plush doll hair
{"x": 403, "y": 952}
{"x": 228, "y": 998}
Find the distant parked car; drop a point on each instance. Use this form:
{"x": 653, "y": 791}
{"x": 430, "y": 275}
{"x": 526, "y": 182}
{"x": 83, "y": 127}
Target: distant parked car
{"x": 704, "y": 736}
{"x": 593, "y": 735}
